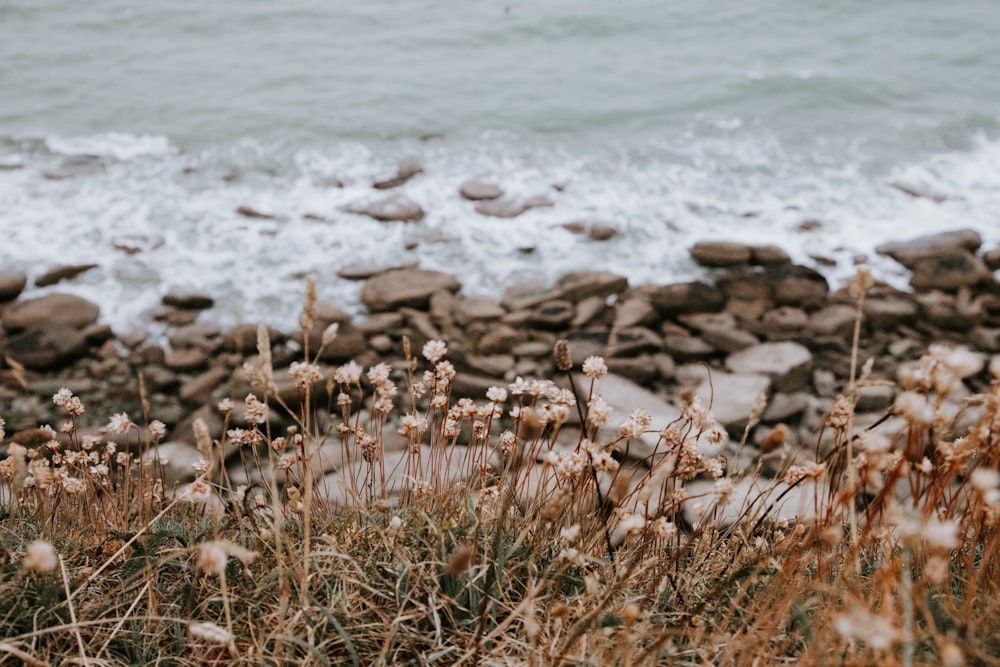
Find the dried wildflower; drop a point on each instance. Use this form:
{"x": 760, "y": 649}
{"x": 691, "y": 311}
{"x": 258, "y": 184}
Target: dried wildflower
{"x": 598, "y": 412}
{"x": 435, "y": 350}
{"x": 637, "y": 422}
{"x": 304, "y": 374}
{"x": 861, "y": 625}
{"x": 40, "y": 557}
{"x": 225, "y": 406}
{"x": 632, "y": 524}
{"x": 664, "y": 529}
{"x": 212, "y": 556}
{"x": 3, "y": 433}
{"x": 65, "y": 399}
{"x": 987, "y": 484}
{"x": 595, "y": 368}
{"x": 197, "y": 491}
{"x": 444, "y": 372}
{"x": 413, "y": 426}
{"x": 723, "y": 490}
{"x": 564, "y": 360}
{"x": 811, "y": 469}
{"x": 243, "y": 438}
{"x": 330, "y": 334}
{"x": 861, "y": 283}
{"x": 571, "y": 533}
{"x": 349, "y": 373}
{"x": 119, "y": 423}
{"x": 157, "y": 429}
{"x": 603, "y": 461}
{"x": 840, "y": 413}
{"x": 210, "y": 632}
{"x": 73, "y": 485}
{"x": 460, "y": 560}
{"x": 519, "y": 386}
{"x": 496, "y": 394}
{"x": 573, "y": 556}
{"x": 256, "y": 410}
{"x": 915, "y": 407}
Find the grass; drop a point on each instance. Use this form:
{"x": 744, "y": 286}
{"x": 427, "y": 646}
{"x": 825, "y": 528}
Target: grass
{"x": 547, "y": 551}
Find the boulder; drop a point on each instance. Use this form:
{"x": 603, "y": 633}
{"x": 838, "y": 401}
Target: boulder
{"x": 511, "y": 207}
{"x": 474, "y": 190}
{"x": 404, "y": 172}
{"x": 405, "y": 287}
{"x": 732, "y": 397}
{"x": 685, "y": 298}
{"x": 62, "y": 272}
{"x": 908, "y": 253}
{"x": 12, "y": 283}
{"x": 788, "y": 364}
{"x": 949, "y": 271}
{"x": 394, "y": 208}
{"x": 51, "y": 310}
{"x": 45, "y": 348}
{"x": 718, "y": 254}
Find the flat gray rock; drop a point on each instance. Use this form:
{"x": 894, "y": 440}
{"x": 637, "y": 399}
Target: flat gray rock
{"x": 787, "y": 363}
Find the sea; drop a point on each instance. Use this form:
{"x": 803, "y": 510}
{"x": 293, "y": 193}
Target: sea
{"x": 132, "y": 132}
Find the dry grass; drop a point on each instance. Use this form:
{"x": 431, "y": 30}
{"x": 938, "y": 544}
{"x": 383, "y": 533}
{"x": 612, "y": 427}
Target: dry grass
{"x": 579, "y": 562}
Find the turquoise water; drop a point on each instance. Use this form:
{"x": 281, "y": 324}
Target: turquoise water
{"x": 672, "y": 121}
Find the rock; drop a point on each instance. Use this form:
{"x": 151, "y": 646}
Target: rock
{"x": 785, "y": 407}
{"x": 634, "y": 312}
{"x": 251, "y": 212}
{"x": 199, "y": 389}
{"x": 783, "y": 322}
{"x": 186, "y": 360}
{"x": 720, "y": 253}
{"x": 380, "y": 323}
{"x": 480, "y": 191}
{"x": 624, "y": 396}
{"x": 45, "y": 348}
{"x": 875, "y": 397}
{"x": 51, "y": 310}
{"x": 494, "y": 365}
{"x": 476, "y": 309}
{"x": 60, "y": 273}
{"x": 394, "y": 208}
{"x": 242, "y": 338}
{"x": 954, "y": 313}
{"x": 889, "y": 310}
{"x": 347, "y": 344}
{"x": 800, "y": 286}
{"x": 685, "y": 348}
{"x": 769, "y": 255}
{"x": 188, "y": 301}
{"x": 553, "y": 315}
{"x": 685, "y": 298}
{"x": 588, "y": 310}
{"x": 133, "y": 244}
{"x": 908, "y": 253}
{"x": 834, "y": 320}
{"x": 992, "y": 259}
{"x": 472, "y": 385}
{"x": 778, "y": 500}
{"x": 12, "y": 283}
{"x": 202, "y": 335}
{"x": 592, "y": 230}
{"x": 575, "y": 287}
{"x": 732, "y": 397}
{"x": 510, "y": 207}
{"x": 366, "y": 271}
{"x": 949, "y": 271}
{"x": 640, "y": 370}
{"x": 405, "y": 287}
{"x": 601, "y": 342}
{"x": 500, "y": 339}
{"x": 788, "y": 364}
{"x": 404, "y": 172}
{"x": 719, "y": 330}
{"x": 176, "y": 461}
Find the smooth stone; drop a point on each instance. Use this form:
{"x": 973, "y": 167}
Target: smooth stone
{"x": 198, "y": 390}
{"x": 554, "y": 315}
{"x": 640, "y": 370}
{"x": 62, "y": 272}
{"x": 784, "y": 407}
{"x": 186, "y": 360}
{"x": 476, "y": 309}
{"x": 889, "y": 311}
{"x": 134, "y": 244}
{"x": 833, "y": 320}
{"x": 769, "y": 255}
{"x": 949, "y": 271}
{"x": 592, "y": 230}
{"x": 380, "y": 323}
{"x": 203, "y": 335}
{"x": 45, "y": 348}
{"x": 474, "y": 190}
{"x": 589, "y": 309}
{"x": 720, "y": 330}
{"x": 405, "y": 287}
{"x": 500, "y": 339}
{"x": 685, "y": 298}
{"x": 580, "y": 285}
{"x": 394, "y": 208}
{"x": 404, "y": 172}
{"x": 908, "y": 253}
{"x": 686, "y": 348}
{"x": 787, "y": 363}
{"x": 511, "y": 207}
{"x": 188, "y": 301}
{"x": 51, "y": 310}
{"x": 242, "y": 338}
{"x": 532, "y": 349}
{"x": 732, "y": 397}
{"x": 366, "y": 271}
{"x": 495, "y": 365}
{"x": 634, "y": 312}
{"x": 12, "y": 283}
{"x": 718, "y": 254}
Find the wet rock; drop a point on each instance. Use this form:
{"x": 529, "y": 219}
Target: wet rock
{"x": 800, "y": 286}
{"x": 186, "y": 360}
{"x": 720, "y": 253}
{"x": 889, "y": 310}
{"x": 60, "y": 273}
{"x": 45, "y": 348}
{"x": 788, "y": 364}
{"x": 251, "y": 212}
{"x": 474, "y": 190}
{"x": 769, "y": 255}
{"x": 12, "y": 283}
{"x": 366, "y": 271}
{"x": 51, "y": 310}
{"x": 577, "y": 286}
{"x": 394, "y": 208}
{"x": 951, "y": 312}
{"x": 592, "y": 230}
{"x": 908, "y": 253}
{"x": 188, "y": 300}
{"x": 733, "y": 397}
{"x": 404, "y": 172}
{"x": 511, "y": 207}
{"x": 685, "y": 298}
{"x": 405, "y": 287}
{"x": 949, "y": 271}
{"x": 875, "y": 397}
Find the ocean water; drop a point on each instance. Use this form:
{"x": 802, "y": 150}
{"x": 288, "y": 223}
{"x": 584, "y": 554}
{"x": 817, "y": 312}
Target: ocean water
{"x": 146, "y": 125}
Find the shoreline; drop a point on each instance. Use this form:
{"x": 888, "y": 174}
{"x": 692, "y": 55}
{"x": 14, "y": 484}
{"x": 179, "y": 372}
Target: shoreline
{"x": 763, "y": 326}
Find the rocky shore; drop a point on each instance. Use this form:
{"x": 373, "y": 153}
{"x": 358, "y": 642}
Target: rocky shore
{"x": 764, "y": 327}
